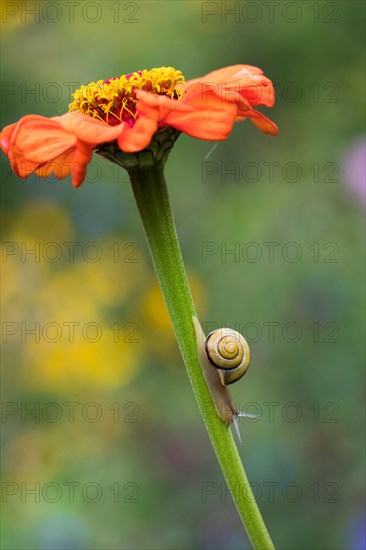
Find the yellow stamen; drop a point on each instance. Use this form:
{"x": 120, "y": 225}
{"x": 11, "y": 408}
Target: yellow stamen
{"x": 114, "y": 100}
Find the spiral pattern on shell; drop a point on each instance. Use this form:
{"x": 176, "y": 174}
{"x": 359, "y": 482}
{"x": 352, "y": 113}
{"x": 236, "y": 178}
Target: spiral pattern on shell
{"x": 228, "y": 351}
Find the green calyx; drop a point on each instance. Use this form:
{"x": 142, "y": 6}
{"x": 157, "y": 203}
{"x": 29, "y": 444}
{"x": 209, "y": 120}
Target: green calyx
{"x": 156, "y": 153}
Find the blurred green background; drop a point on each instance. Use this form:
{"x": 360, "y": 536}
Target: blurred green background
{"x": 115, "y": 451}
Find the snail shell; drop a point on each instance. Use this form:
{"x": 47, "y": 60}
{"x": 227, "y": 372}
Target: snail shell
{"x": 228, "y": 351}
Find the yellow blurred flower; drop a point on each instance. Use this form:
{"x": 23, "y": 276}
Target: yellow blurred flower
{"x": 82, "y": 364}
{"x": 67, "y": 314}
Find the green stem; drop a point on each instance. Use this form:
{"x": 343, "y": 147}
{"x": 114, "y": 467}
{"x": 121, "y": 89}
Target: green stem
{"x": 152, "y": 198}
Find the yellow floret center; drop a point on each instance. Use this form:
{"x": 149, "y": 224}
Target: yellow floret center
{"x": 114, "y": 100}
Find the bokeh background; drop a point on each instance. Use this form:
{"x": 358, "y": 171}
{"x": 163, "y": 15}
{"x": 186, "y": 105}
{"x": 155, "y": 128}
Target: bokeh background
{"x": 114, "y": 454}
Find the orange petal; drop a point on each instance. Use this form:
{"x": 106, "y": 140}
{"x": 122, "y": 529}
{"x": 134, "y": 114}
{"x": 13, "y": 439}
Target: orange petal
{"x": 225, "y": 74}
{"x": 83, "y": 156}
{"x": 211, "y": 118}
{"x": 262, "y": 122}
{"x": 42, "y": 145}
{"x": 75, "y": 160}
{"x": 40, "y": 139}
{"x": 32, "y": 141}
{"x": 60, "y": 166}
{"x": 152, "y": 112}
{"x": 259, "y": 95}
{"x": 5, "y": 137}
{"x": 208, "y": 118}
{"x": 161, "y": 104}
{"x": 246, "y": 80}
{"x": 138, "y": 138}
{"x": 89, "y": 129}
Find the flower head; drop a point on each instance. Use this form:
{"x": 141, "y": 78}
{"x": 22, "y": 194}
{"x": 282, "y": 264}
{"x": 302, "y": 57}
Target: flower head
{"x": 129, "y": 110}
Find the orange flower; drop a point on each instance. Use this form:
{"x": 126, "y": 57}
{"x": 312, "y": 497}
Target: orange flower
{"x": 129, "y": 110}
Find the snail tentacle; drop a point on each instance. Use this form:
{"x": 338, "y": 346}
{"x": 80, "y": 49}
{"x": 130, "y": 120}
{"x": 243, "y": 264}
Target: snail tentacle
{"x": 236, "y": 424}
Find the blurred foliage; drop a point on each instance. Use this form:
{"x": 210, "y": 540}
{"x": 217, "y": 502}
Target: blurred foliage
{"x": 112, "y": 405}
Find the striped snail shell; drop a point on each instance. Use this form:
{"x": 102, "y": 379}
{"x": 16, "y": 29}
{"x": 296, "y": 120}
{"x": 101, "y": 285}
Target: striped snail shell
{"x": 228, "y": 351}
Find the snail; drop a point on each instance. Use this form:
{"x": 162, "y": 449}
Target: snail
{"x": 224, "y": 356}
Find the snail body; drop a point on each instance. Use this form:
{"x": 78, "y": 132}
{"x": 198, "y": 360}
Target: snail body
{"x": 224, "y": 356}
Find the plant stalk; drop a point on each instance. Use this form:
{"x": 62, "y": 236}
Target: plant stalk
{"x": 152, "y": 198}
